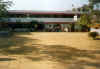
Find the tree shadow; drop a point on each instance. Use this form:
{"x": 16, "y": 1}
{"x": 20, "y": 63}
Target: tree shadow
{"x": 88, "y": 63}
{"x": 62, "y": 53}
{"x": 7, "y": 59}
{"x": 17, "y": 45}
{"x": 97, "y": 38}
{"x": 70, "y": 55}
{"x": 33, "y": 58}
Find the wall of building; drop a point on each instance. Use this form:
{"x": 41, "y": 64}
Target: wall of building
{"x": 60, "y": 27}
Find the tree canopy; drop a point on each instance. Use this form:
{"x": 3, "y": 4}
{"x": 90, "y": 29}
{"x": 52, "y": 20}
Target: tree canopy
{"x": 94, "y": 1}
{"x": 93, "y": 16}
{"x": 3, "y": 7}
{"x": 85, "y": 20}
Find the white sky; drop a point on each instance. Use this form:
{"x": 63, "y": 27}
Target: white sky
{"x": 46, "y": 5}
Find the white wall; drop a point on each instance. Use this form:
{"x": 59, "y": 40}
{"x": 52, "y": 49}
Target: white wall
{"x": 95, "y": 30}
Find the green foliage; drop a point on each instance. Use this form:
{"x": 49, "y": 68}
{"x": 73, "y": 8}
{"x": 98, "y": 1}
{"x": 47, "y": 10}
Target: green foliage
{"x": 92, "y": 17}
{"x": 74, "y": 9}
{"x": 94, "y": 1}
{"x": 85, "y": 20}
{"x": 34, "y": 25}
{"x": 93, "y": 34}
{"x": 97, "y": 16}
{"x": 3, "y": 7}
{"x": 84, "y": 8}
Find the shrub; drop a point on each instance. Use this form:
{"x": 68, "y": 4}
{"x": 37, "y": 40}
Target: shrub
{"x": 5, "y": 32}
{"x": 93, "y": 34}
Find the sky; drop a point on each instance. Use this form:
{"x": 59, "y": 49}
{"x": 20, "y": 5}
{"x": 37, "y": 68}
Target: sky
{"x": 46, "y": 5}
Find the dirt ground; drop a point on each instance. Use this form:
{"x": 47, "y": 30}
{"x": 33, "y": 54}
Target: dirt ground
{"x": 49, "y": 50}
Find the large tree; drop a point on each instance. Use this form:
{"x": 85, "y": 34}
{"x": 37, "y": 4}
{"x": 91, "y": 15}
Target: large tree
{"x": 94, "y": 15}
{"x": 85, "y": 22}
{"x": 94, "y": 2}
{"x": 3, "y": 7}
{"x": 95, "y": 12}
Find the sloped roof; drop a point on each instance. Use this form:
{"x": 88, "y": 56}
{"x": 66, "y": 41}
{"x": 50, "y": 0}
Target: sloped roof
{"x": 41, "y": 12}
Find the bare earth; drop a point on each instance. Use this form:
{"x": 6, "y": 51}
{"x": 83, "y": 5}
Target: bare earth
{"x": 49, "y": 51}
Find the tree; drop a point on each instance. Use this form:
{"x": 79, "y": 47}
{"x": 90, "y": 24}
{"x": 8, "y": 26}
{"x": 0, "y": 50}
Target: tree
{"x": 3, "y": 7}
{"x": 96, "y": 16}
{"x": 94, "y": 2}
{"x": 84, "y": 8}
{"x": 89, "y": 7}
{"x": 3, "y": 12}
{"x": 85, "y": 22}
{"x": 95, "y": 12}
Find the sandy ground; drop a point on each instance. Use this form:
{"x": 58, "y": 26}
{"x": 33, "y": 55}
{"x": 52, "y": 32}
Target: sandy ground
{"x": 49, "y": 51}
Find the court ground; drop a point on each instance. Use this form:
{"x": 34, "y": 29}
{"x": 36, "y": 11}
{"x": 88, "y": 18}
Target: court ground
{"x": 49, "y": 51}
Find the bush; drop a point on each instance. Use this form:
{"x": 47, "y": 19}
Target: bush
{"x": 93, "y": 34}
{"x": 6, "y": 32}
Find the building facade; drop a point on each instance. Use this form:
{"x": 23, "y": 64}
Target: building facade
{"x": 42, "y": 20}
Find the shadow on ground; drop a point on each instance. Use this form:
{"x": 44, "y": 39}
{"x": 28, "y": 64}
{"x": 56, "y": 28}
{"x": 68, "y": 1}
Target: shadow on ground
{"x": 7, "y": 59}
{"x": 68, "y": 55}
{"x": 59, "y": 52}
{"x": 17, "y": 45}
{"x": 97, "y": 39}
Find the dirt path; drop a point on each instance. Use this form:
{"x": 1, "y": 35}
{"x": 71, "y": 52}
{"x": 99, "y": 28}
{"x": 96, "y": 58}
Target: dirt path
{"x": 49, "y": 51}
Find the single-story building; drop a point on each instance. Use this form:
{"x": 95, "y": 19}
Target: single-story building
{"x": 48, "y": 20}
